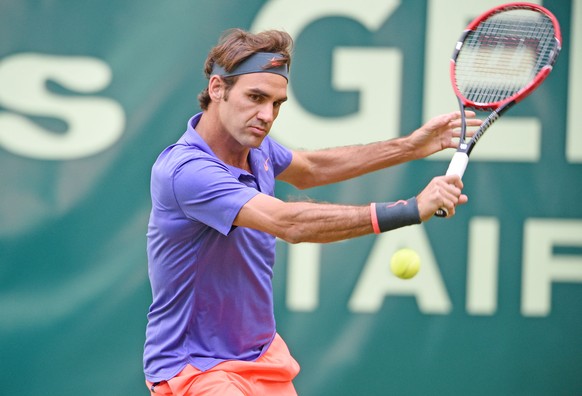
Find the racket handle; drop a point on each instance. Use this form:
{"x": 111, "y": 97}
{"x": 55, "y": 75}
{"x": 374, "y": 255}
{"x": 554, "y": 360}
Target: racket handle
{"x": 457, "y": 166}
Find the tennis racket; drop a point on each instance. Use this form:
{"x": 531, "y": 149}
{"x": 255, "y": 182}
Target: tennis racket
{"x": 501, "y": 57}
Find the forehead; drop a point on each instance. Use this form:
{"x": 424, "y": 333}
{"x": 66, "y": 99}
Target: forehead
{"x": 271, "y": 84}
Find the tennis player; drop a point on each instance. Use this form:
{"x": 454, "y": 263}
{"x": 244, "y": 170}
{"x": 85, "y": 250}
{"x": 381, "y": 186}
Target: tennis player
{"x": 214, "y": 220}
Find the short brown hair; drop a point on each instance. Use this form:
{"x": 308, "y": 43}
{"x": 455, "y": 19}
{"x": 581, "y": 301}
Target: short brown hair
{"x": 236, "y": 45}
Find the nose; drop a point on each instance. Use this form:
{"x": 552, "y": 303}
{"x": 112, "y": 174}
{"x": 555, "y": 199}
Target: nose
{"x": 266, "y": 113}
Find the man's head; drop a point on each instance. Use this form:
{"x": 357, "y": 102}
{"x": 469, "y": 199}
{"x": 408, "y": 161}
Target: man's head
{"x": 239, "y": 52}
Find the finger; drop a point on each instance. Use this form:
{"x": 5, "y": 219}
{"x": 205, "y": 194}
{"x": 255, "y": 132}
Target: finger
{"x": 453, "y": 180}
{"x": 463, "y": 199}
{"x": 451, "y": 201}
{"x": 449, "y": 190}
{"x": 452, "y": 208}
{"x": 452, "y": 193}
{"x": 451, "y": 197}
{"x": 474, "y": 122}
{"x": 449, "y": 206}
{"x": 470, "y": 114}
{"x": 455, "y": 116}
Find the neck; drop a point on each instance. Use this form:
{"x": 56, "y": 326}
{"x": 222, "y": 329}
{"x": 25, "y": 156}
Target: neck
{"x": 224, "y": 146}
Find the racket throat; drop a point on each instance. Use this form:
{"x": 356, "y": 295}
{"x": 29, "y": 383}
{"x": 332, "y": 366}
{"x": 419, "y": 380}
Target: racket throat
{"x": 494, "y": 116}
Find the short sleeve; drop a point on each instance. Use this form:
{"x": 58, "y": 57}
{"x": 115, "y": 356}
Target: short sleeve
{"x": 207, "y": 192}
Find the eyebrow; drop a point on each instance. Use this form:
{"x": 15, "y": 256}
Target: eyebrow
{"x": 262, "y": 93}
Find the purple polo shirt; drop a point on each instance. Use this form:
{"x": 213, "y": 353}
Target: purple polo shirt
{"x": 211, "y": 282}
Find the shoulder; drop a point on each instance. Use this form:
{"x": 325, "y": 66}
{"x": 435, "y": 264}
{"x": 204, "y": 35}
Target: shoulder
{"x": 270, "y": 144}
{"x": 280, "y": 155}
{"x": 177, "y": 156}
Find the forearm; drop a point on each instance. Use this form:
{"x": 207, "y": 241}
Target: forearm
{"x": 297, "y": 222}
{"x": 311, "y": 222}
{"x": 322, "y": 223}
{"x": 316, "y": 168}
{"x": 321, "y": 167}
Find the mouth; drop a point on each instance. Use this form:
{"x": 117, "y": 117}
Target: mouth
{"x": 258, "y": 130}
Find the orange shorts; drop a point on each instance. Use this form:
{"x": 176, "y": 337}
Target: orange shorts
{"x": 271, "y": 374}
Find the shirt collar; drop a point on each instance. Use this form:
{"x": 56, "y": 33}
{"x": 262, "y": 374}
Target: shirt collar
{"x": 192, "y": 138}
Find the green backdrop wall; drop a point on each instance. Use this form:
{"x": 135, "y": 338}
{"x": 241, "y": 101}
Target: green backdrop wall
{"x": 92, "y": 91}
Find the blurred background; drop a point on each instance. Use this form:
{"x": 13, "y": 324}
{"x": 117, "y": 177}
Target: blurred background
{"x": 91, "y": 92}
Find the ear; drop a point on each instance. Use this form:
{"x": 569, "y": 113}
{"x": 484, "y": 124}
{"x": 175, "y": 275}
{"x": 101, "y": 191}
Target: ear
{"x": 216, "y": 88}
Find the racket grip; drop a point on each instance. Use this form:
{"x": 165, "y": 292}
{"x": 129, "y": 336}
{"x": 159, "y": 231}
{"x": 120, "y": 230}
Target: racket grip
{"x": 457, "y": 166}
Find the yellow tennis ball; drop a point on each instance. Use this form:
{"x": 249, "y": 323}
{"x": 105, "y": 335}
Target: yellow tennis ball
{"x": 405, "y": 263}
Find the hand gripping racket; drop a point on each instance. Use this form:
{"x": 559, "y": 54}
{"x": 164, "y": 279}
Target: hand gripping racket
{"x": 501, "y": 57}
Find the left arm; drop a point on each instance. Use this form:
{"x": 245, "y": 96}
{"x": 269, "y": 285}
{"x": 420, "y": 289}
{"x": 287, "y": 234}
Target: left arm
{"x": 316, "y": 168}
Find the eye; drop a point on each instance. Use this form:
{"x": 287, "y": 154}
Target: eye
{"x": 255, "y": 97}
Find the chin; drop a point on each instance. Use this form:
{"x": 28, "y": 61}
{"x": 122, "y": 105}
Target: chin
{"x": 255, "y": 141}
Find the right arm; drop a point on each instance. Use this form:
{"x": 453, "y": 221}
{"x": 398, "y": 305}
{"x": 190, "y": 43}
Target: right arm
{"x": 297, "y": 222}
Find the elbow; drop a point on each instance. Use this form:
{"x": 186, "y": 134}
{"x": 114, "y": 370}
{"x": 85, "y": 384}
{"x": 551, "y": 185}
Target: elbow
{"x": 292, "y": 236}
{"x": 302, "y": 184}
{"x": 289, "y": 223}
{"x": 305, "y": 180}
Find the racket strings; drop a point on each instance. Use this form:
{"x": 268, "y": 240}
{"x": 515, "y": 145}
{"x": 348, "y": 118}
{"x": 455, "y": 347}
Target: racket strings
{"x": 503, "y": 55}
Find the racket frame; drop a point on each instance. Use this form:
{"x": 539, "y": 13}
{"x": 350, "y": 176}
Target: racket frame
{"x": 460, "y": 159}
